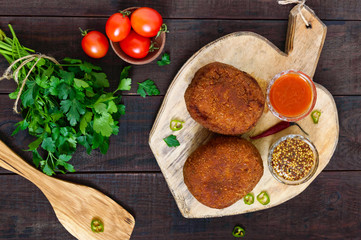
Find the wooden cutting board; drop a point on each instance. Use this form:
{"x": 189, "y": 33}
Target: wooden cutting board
{"x": 254, "y": 54}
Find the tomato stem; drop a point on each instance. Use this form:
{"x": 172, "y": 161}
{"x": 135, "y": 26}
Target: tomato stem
{"x": 125, "y": 13}
{"x": 163, "y": 28}
{"x": 84, "y": 32}
{"x": 153, "y": 47}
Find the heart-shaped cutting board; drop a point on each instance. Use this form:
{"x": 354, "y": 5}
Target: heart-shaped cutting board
{"x": 254, "y": 54}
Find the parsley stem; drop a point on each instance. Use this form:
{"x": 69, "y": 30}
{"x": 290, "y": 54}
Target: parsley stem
{"x": 5, "y": 52}
{"x": 5, "y": 46}
{"x": 69, "y": 65}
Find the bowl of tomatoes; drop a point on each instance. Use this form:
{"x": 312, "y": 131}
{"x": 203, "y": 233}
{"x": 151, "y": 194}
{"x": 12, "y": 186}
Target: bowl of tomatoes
{"x": 137, "y": 34}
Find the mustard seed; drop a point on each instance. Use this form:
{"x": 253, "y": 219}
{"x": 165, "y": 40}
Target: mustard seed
{"x": 292, "y": 159}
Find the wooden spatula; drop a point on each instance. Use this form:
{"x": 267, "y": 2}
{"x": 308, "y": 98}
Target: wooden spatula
{"x": 74, "y": 205}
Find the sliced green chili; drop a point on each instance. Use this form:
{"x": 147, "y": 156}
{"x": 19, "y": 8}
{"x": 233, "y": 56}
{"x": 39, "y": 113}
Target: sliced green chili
{"x": 263, "y": 198}
{"x": 238, "y": 231}
{"x": 248, "y": 199}
{"x": 176, "y": 125}
{"x": 97, "y": 225}
{"x": 315, "y": 115}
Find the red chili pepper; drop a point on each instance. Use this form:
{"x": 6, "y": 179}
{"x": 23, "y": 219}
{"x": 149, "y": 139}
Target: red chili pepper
{"x": 277, "y": 128}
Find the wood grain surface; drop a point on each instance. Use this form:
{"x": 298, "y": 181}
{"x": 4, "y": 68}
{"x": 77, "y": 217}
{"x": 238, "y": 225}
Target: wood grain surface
{"x": 334, "y": 72}
{"x": 255, "y": 9}
{"x": 74, "y": 205}
{"x": 255, "y": 55}
{"x": 328, "y": 209}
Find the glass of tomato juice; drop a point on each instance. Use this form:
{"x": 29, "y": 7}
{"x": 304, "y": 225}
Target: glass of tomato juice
{"x": 291, "y": 95}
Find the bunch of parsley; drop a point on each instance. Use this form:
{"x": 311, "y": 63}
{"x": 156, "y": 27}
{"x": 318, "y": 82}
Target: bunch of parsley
{"x": 64, "y": 106}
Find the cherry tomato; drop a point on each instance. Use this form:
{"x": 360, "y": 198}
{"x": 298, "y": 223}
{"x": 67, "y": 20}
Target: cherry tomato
{"x": 135, "y": 45}
{"x": 95, "y": 44}
{"x": 117, "y": 26}
{"x": 146, "y": 21}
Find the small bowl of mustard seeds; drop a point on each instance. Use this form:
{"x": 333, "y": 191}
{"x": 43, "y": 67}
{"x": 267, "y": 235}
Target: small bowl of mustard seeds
{"x": 293, "y": 159}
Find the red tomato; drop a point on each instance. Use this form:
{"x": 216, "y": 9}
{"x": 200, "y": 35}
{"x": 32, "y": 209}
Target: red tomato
{"x": 135, "y": 45}
{"x": 95, "y": 44}
{"x": 117, "y": 27}
{"x": 146, "y": 21}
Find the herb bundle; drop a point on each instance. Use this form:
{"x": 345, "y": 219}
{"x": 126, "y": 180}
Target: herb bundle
{"x": 63, "y": 106}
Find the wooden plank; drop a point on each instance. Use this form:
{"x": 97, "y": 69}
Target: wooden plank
{"x": 328, "y": 209}
{"x": 129, "y": 151}
{"x": 338, "y": 68}
{"x": 256, "y": 55}
{"x": 256, "y": 9}
{"x": 66, "y": 198}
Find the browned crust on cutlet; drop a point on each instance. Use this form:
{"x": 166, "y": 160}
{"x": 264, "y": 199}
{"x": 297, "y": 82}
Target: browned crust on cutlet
{"x": 223, "y": 171}
{"x": 224, "y": 99}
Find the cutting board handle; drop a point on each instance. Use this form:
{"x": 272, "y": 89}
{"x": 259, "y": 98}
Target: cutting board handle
{"x": 298, "y": 35}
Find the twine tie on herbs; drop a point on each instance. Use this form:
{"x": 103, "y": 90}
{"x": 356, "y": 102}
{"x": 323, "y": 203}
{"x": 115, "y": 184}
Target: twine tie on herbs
{"x": 27, "y": 59}
{"x": 300, "y": 3}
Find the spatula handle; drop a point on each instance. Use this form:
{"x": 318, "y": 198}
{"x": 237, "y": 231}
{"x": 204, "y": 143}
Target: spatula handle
{"x": 8, "y": 167}
{"x": 12, "y": 162}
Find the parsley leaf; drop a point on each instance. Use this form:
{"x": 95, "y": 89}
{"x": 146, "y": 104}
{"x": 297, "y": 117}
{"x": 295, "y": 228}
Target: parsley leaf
{"x": 171, "y": 141}
{"x": 37, "y": 158}
{"x": 47, "y": 169}
{"x": 73, "y": 109}
{"x": 112, "y": 108}
{"x": 84, "y": 122}
{"x": 64, "y": 90}
{"x": 125, "y": 72}
{"x": 121, "y": 109}
{"x": 88, "y": 67}
{"x": 125, "y": 84}
{"x": 100, "y": 80}
{"x": 64, "y": 158}
{"x": 42, "y": 81}
{"x": 68, "y": 77}
{"x": 80, "y": 83}
{"x": 65, "y": 106}
{"x": 28, "y": 96}
{"x": 22, "y": 125}
{"x": 100, "y": 108}
{"x": 147, "y": 87}
{"x": 71, "y": 60}
{"x": 48, "y": 144}
{"x": 83, "y": 140}
{"x": 165, "y": 60}
{"x": 103, "y": 124}
{"x": 34, "y": 145}
{"x": 54, "y": 82}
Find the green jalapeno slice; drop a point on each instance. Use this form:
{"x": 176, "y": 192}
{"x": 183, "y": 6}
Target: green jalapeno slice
{"x": 176, "y": 125}
{"x": 238, "y": 231}
{"x": 248, "y": 199}
{"x": 97, "y": 225}
{"x": 263, "y": 198}
{"x": 315, "y": 115}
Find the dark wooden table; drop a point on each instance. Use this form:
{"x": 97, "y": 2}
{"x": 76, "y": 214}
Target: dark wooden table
{"x": 330, "y": 208}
